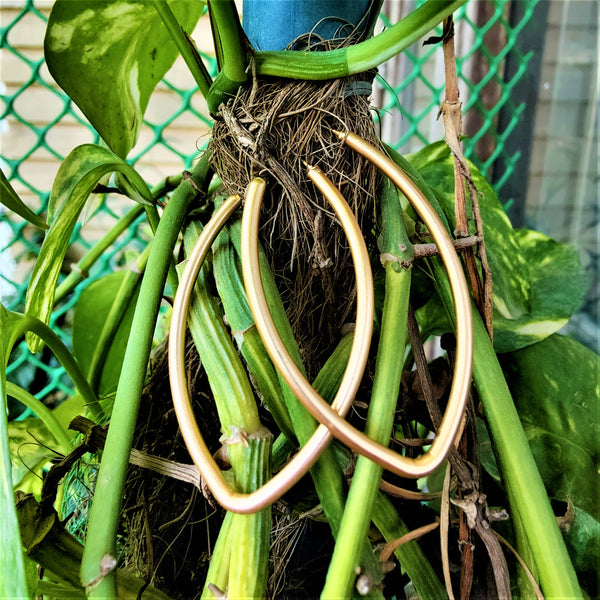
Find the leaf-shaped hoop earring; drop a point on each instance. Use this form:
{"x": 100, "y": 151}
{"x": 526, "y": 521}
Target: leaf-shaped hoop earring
{"x": 358, "y": 441}
{"x": 309, "y": 453}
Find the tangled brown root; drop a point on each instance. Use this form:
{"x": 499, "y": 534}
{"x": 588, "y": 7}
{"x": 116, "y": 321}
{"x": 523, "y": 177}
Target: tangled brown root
{"x": 271, "y": 130}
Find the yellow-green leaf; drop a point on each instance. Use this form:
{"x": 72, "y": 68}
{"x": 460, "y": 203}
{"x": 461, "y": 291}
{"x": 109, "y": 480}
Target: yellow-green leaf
{"x": 10, "y": 199}
{"x": 77, "y": 177}
{"x": 558, "y": 286}
{"x": 510, "y": 272}
{"x": 108, "y": 56}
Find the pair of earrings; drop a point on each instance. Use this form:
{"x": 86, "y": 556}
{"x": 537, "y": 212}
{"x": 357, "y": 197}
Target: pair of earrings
{"x": 330, "y": 417}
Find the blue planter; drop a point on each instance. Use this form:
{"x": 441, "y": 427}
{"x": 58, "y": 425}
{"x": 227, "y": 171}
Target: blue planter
{"x": 274, "y": 24}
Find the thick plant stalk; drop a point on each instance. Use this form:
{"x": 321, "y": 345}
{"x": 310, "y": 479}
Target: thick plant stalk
{"x": 358, "y": 510}
{"x": 359, "y": 57}
{"x": 104, "y": 515}
{"x": 386, "y": 385}
{"x": 327, "y": 474}
{"x": 228, "y": 277}
{"x": 248, "y": 443}
{"x": 527, "y": 494}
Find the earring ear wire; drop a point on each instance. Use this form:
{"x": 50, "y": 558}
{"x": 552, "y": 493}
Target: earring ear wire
{"x": 341, "y": 429}
{"x": 310, "y": 452}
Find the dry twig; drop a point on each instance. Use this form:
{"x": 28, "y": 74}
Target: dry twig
{"x": 451, "y": 111}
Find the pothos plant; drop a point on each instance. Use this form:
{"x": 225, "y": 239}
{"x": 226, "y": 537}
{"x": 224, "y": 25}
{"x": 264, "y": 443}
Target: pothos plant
{"x": 521, "y": 482}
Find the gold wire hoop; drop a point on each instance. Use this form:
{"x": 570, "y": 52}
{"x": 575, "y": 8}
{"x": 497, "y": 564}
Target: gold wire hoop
{"x": 309, "y": 453}
{"x": 358, "y": 441}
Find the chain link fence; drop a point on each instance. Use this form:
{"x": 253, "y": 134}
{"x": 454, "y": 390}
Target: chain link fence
{"x": 39, "y": 126}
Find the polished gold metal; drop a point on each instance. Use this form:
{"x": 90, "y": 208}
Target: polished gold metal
{"x": 309, "y": 453}
{"x": 356, "y": 440}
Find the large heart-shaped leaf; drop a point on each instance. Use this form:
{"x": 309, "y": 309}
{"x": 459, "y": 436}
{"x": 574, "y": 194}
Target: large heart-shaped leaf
{"x": 509, "y": 269}
{"x": 558, "y": 286}
{"x": 108, "y": 56}
{"x": 89, "y": 321}
{"x": 555, "y": 387}
{"x": 78, "y": 175}
{"x": 10, "y": 199}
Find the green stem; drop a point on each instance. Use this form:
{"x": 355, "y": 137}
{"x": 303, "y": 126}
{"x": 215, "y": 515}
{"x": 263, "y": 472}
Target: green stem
{"x": 43, "y": 413}
{"x": 527, "y": 494}
{"x": 231, "y": 52}
{"x": 411, "y": 557}
{"x": 248, "y": 443}
{"x": 527, "y": 491}
{"x": 186, "y": 47}
{"x": 115, "y": 316}
{"x": 380, "y": 420}
{"x": 248, "y": 568}
{"x": 395, "y": 249}
{"x": 359, "y": 57}
{"x": 226, "y": 375}
{"x": 218, "y": 569}
{"x": 154, "y": 220}
{"x": 104, "y": 514}
{"x": 326, "y": 474}
{"x": 228, "y": 277}
{"x": 25, "y": 323}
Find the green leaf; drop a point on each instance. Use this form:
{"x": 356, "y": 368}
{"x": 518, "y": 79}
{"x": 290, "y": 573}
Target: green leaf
{"x": 82, "y": 169}
{"x": 76, "y": 178}
{"x": 557, "y": 394}
{"x": 108, "y": 56}
{"x": 89, "y": 320}
{"x": 511, "y": 288}
{"x": 583, "y": 541}
{"x": 10, "y": 199}
{"x": 32, "y": 446}
{"x": 558, "y": 286}
{"x": 67, "y": 410}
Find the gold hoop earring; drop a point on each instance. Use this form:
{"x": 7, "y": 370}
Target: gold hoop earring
{"x": 309, "y": 453}
{"x": 358, "y": 441}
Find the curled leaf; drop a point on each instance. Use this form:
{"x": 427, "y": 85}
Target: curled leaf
{"x": 10, "y": 199}
{"x": 76, "y": 179}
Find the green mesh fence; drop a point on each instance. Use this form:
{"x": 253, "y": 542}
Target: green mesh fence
{"x": 39, "y": 125}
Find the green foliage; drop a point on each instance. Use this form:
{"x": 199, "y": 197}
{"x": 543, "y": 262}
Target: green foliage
{"x": 558, "y": 285}
{"x": 76, "y": 179}
{"x": 10, "y": 199}
{"x": 108, "y": 55}
{"x": 509, "y": 267}
{"x": 92, "y": 348}
{"x": 557, "y": 393}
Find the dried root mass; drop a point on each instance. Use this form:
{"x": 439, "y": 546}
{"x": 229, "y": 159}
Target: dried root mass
{"x": 271, "y": 130}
